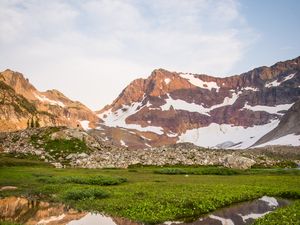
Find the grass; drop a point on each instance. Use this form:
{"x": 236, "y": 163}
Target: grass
{"x": 8, "y": 223}
{"x": 95, "y": 180}
{"x": 150, "y": 194}
{"x": 7, "y": 160}
{"x": 90, "y": 193}
{"x": 199, "y": 171}
{"x": 289, "y": 215}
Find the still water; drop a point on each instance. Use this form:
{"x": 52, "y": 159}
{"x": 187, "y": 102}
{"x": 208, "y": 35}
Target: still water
{"x": 29, "y": 212}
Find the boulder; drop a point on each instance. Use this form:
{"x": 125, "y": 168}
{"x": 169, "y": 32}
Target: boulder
{"x": 238, "y": 162}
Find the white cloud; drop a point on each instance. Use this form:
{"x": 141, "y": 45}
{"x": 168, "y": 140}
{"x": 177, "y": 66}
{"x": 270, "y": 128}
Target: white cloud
{"x": 92, "y": 49}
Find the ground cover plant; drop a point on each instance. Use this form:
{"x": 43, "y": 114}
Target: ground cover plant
{"x": 150, "y": 194}
{"x": 287, "y": 216}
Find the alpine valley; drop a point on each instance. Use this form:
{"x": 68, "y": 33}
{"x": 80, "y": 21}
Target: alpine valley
{"x": 258, "y": 108}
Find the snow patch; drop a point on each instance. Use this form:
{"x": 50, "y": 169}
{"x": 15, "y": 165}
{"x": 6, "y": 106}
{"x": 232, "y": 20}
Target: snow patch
{"x": 290, "y": 139}
{"x": 84, "y": 124}
{"x": 276, "y": 83}
{"x": 123, "y": 143}
{"x": 43, "y": 98}
{"x": 215, "y": 134}
{"x": 118, "y": 119}
{"x": 145, "y": 138}
{"x": 167, "y": 81}
{"x": 250, "y": 89}
{"x": 171, "y": 134}
{"x": 179, "y": 104}
{"x": 199, "y": 83}
{"x": 148, "y": 145}
{"x": 270, "y": 109}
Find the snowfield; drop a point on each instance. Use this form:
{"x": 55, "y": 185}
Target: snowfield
{"x": 216, "y": 134}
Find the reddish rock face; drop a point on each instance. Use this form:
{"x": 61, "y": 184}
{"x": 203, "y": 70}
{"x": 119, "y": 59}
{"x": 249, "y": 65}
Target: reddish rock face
{"x": 176, "y": 103}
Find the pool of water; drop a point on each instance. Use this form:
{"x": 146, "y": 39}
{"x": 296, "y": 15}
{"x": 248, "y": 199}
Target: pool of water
{"x": 30, "y": 212}
{"x": 239, "y": 214}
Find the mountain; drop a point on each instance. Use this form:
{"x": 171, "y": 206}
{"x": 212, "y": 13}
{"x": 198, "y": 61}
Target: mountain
{"x": 21, "y": 104}
{"x": 287, "y": 132}
{"x": 174, "y": 107}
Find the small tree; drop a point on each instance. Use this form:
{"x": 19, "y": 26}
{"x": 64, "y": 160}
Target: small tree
{"x": 32, "y": 123}
{"x": 37, "y": 124}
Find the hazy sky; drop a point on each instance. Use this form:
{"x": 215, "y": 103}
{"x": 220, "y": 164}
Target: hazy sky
{"x": 91, "y": 49}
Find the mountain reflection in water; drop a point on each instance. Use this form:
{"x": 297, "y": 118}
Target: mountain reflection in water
{"x": 29, "y": 212}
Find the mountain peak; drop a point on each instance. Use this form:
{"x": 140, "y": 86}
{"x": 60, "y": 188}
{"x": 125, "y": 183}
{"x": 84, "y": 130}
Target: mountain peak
{"x": 171, "y": 107}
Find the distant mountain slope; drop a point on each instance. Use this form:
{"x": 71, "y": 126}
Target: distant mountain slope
{"x": 21, "y": 103}
{"x": 287, "y": 132}
{"x": 171, "y": 107}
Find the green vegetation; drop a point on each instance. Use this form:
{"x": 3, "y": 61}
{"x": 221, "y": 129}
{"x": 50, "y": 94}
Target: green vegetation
{"x": 58, "y": 147}
{"x": 95, "y": 180}
{"x": 8, "y": 223}
{"x": 199, "y": 171}
{"x": 8, "y": 160}
{"x": 289, "y": 215}
{"x": 281, "y": 164}
{"x": 150, "y": 194}
{"x": 90, "y": 194}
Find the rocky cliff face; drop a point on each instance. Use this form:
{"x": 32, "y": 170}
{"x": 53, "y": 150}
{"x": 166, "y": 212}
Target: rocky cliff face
{"x": 21, "y": 103}
{"x": 170, "y": 107}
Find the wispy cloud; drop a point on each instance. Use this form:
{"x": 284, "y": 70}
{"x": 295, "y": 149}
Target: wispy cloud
{"x": 99, "y": 46}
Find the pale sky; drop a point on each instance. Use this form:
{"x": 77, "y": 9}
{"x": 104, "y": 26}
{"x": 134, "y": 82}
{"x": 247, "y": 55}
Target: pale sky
{"x": 91, "y": 49}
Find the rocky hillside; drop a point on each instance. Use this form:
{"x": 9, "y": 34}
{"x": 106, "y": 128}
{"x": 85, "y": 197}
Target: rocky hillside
{"x": 62, "y": 146}
{"x": 287, "y": 131}
{"x": 171, "y": 107}
{"x": 22, "y": 105}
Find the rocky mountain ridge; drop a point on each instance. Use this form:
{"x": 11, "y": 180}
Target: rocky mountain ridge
{"x": 22, "y": 103}
{"x": 170, "y": 107}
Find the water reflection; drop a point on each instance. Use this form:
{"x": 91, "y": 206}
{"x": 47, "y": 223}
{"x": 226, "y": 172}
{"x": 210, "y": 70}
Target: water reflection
{"x": 240, "y": 214}
{"x": 31, "y": 212}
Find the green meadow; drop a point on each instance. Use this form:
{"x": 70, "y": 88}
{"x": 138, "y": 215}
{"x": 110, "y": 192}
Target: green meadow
{"x": 152, "y": 194}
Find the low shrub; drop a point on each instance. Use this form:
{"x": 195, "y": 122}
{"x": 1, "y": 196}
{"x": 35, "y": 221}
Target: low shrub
{"x": 198, "y": 171}
{"x": 77, "y": 194}
{"x": 95, "y": 180}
